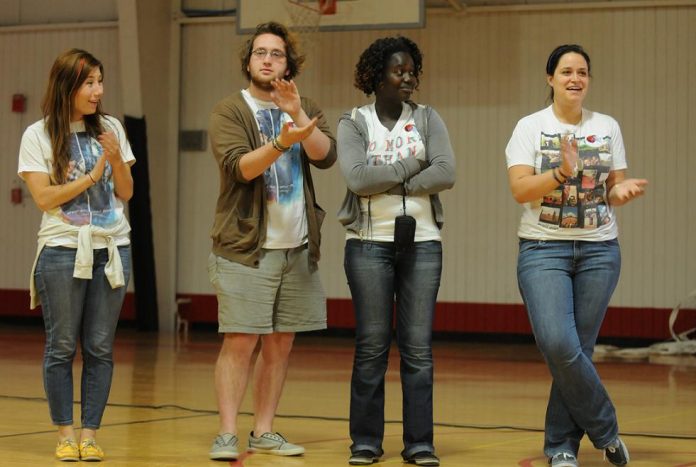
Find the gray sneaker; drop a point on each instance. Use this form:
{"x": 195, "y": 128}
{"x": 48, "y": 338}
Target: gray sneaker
{"x": 563, "y": 459}
{"x": 224, "y": 447}
{"x": 273, "y": 443}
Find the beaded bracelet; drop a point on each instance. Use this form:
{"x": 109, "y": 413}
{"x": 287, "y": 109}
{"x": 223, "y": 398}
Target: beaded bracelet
{"x": 277, "y": 146}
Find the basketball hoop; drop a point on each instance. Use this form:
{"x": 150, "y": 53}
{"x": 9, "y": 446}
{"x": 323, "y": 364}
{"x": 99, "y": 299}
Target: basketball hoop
{"x": 305, "y": 18}
{"x": 327, "y": 7}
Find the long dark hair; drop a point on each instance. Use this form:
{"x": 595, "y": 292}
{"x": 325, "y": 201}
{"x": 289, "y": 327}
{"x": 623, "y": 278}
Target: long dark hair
{"x": 555, "y": 57}
{"x": 68, "y": 73}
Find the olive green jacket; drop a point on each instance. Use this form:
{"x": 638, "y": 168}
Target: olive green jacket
{"x": 241, "y": 216}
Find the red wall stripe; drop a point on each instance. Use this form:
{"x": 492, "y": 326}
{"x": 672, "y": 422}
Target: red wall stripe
{"x": 464, "y": 317}
{"x": 625, "y": 322}
{"x": 15, "y": 302}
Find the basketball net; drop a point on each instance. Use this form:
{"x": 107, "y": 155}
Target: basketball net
{"x": 305, "y": 18}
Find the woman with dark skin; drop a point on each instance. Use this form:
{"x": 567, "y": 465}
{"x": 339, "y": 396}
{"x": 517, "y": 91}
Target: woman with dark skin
{"x": 395, "y": 157}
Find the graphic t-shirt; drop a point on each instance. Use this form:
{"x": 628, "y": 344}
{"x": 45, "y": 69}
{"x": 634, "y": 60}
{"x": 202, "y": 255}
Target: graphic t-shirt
{"x": 386, "y": 147}
{"x": 577, "y": 209}
{"x": 98, "y": 205}
{"x": 284, "y": 181}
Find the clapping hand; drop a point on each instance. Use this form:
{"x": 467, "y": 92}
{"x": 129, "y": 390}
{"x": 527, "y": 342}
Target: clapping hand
{"x": 626, "y": 190}
{"x": 291, "y": 134}
{"x": 286, "y": 96}
{"x": 98, "y": 170}
{"x": 111, "y": 148}
{"x": 569, "y": 155}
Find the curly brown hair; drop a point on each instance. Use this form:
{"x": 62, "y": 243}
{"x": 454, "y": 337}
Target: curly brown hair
{"x": 295, "y": 58}
{"x": 370, "y": 69}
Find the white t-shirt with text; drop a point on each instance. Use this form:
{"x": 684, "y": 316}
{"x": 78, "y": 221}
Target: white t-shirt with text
{"x": 386, "y": 147}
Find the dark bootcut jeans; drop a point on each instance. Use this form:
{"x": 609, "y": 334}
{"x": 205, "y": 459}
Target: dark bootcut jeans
{"x": 378, "y": 276}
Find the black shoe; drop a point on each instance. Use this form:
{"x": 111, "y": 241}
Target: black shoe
{"x": 423, "y": 458}
{"x": 617, "y": 453}
{"x": 364, "y": 457}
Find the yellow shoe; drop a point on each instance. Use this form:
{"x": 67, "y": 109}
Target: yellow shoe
{"x": 90, "y": 451}
{"x": 67, "y": 451}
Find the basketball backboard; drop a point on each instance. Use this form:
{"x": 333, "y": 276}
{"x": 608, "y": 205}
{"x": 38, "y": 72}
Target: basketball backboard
{"x": 348, "y": 14}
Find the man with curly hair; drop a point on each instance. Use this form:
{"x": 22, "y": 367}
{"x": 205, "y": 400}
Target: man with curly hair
{"x": 266, "y": 234}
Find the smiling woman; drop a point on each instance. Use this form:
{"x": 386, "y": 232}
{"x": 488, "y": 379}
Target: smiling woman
{"x": 566, "y": 165}
{"x": 82, "y": 264}
{"x": 89, "y": 95}
{"x": 395, "y": 157}
{"x": 568, "y": 75}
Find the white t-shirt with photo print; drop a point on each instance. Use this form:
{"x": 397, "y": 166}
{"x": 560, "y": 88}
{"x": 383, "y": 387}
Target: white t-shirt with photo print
{"x": 284, "y": 181}
{"x": 386, "y": 147}
{"x": 578, "y": 209}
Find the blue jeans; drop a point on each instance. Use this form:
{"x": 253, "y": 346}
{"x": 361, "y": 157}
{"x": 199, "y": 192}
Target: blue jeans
{"x": 78, "y": 308}
{"x": 378, "y": 276}
{"x": 566, "y": 287}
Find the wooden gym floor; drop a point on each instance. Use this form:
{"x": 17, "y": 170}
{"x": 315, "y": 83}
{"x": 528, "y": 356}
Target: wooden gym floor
{"x": 489, "y": 404}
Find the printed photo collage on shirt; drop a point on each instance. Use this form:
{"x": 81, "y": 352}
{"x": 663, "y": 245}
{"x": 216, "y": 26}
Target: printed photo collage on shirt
{"x": 579, "y": 202}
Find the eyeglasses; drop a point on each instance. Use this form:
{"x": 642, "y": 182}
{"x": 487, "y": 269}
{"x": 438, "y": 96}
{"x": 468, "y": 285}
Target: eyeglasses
{"x": 276, "y": 55}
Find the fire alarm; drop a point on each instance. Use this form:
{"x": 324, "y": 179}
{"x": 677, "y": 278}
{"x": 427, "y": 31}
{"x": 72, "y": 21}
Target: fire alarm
{"x": 19, "y": 103}
{"x": 16, "y": 193}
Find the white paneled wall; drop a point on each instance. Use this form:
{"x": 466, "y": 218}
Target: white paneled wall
{"x": 209, "y": 72}
{"x": 483, "y": 72}
{"x": 26, "y": 57}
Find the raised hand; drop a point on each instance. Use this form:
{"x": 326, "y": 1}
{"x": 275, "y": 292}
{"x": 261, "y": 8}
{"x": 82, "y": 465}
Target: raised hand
{"x": 111, "y": 148}
{"x": 286, "y": 96}
{"x": 569, "y": 155}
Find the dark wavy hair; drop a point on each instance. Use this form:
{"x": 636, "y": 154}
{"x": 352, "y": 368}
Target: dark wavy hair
{"x": 370, "y": 69}
{"x": 295, "y": 59}
{"x": 68, "y": 73}
{"x": 555, "y": 57}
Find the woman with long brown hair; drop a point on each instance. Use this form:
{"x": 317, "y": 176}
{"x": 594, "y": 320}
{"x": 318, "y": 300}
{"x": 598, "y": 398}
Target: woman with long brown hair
{"x": 76, "y": 162}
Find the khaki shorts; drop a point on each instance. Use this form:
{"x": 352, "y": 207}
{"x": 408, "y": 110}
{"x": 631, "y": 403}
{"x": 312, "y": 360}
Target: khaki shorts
{"x": 281, "y": 295}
